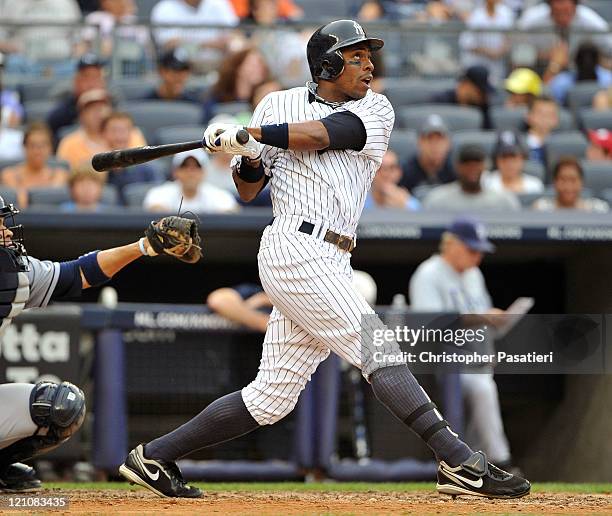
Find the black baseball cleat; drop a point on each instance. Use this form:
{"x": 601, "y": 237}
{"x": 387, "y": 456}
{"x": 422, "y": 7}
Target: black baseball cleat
{"x": 478, "y": 477}
{"x": 19, "y": 478}
{"x": 162, "y": 477}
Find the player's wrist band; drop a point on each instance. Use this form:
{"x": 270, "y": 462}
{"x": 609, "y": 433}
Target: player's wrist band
{"x": 248, "y": 173}
{"x": 276, "y": 135}
{"x": 141, "y": 246}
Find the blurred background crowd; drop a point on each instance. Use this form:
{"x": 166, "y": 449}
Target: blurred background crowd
{"x": 500, "y": 104}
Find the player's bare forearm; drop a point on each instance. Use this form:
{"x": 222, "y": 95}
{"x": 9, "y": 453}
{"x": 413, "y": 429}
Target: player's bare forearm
{"x": 229, "y": 304}
{"x": 113, "y": 260}
{"x": 303, "y": 136}
{"x": 247, "y": 191}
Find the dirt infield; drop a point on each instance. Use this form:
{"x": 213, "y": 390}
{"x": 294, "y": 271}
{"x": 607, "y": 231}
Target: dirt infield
{"x": 307, "y": 503}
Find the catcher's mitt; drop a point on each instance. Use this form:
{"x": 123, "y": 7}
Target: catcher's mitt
{"x": 175, "y": 236}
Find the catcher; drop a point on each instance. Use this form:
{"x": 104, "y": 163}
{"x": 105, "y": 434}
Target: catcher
{"x": 37, "y": 418}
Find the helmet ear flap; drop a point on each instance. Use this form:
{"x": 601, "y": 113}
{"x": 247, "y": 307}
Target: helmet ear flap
{"x": 332, "y": 65}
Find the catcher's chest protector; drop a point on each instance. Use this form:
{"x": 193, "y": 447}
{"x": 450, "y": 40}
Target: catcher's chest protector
{"x": 14, "y": 288}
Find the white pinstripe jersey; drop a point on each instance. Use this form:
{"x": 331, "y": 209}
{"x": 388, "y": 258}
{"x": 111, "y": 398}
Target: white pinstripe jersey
{"x": 328, "y": 186}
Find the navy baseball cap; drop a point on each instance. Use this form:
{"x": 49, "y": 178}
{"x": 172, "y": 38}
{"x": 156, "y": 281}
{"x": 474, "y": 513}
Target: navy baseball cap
{"x": 90, "y": 59}
{"x": 472, "y": 233}
{"x": 479, "y": 75}
{"x": 175, "y": 59}
{"x": 508, "y": 144}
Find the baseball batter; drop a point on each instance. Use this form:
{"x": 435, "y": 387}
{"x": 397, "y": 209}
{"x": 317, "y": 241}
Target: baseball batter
{"x": 319, "y": 146}
{"x": 37, "y": 418}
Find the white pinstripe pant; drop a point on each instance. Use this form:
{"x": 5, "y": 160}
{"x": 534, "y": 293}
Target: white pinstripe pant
{"x": 316, "y": 309}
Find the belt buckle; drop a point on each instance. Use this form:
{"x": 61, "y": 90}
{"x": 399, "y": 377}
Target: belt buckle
{"x": 345, "y": 243}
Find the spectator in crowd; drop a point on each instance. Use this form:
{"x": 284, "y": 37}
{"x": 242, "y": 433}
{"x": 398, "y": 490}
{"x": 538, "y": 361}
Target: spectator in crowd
{"x": 391, "y": 9}
{"x": 562, "y": 16}
{"x": 79, "y": 146}
{"x": 587, "y": 68}
{"x": 39, "y": 49}
{"x": 117, "y": 19}
{"x": 35, "y": 171}
{"x": 522, "y": 85}
{"x": 240, "y": 73}
{"x": 186, "y": 13}
{"x": 89, "y": 76}
{"x": 11, "y": 110}
{"x": 261, "y": 90}
{"x": 542, "y": 119}
{"x": 385, "y": 191}
{"x": 600, "y": 145}
{"x": 568, "y": 180}
{"x": 174, "y": 70}
{"x": 451, "y": 281}
{"x": 285, "y": 9}
{"x": 283, "y": 49}
{"x": 116, "y": 132}
{"x": 509, "y": 157}
{"x": 245, "y": 304}
{"x": 11, "y": 140}
{"x": 88, "y": 6}
{"x": 602, "y": 101}
{"x": 488, "y": 49}
{"x": 472, "y": 89}
{"x": 431, "y": 165}
{"x": 86, "y": 188}
{"x": 467, "y": 193}
{"x": 189, "y": 191}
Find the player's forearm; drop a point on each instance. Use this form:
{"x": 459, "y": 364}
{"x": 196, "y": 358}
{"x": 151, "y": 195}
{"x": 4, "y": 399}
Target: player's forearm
{"x": 247, "y": 191}
{"x": 303, "y": 136}
{"x": 113, "y": 260}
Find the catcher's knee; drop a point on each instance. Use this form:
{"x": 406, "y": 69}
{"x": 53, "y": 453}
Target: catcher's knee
{"x": 58, "y": 410}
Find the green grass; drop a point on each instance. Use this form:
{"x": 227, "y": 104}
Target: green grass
{"x": 347, "y": 487}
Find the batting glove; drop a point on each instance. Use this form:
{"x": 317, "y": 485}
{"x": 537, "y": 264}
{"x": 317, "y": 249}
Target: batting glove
{"x": 213, "y": 132}
{"x": 227, "y": 142}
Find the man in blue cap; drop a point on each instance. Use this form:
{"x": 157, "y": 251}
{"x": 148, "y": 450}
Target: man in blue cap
{"x": 451, "y": 281}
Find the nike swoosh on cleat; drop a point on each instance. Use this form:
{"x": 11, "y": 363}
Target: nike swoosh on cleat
{"x": 149, "y": 474}
{"x": 473, "y": 483}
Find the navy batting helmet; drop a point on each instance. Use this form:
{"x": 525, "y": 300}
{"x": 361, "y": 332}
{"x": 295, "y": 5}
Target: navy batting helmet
{"x": 325, "y": 46}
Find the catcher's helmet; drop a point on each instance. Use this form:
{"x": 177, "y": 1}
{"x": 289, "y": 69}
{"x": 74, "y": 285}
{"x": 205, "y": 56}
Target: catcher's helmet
{"x": 7, "y": 215}
{"x": 324, "y": 47}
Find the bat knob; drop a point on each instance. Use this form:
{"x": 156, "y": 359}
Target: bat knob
{"x": 242, "y": 136}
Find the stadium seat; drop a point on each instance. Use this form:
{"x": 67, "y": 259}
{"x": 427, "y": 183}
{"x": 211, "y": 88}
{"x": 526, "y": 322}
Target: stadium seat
{"x": 597, "y": 175}
{"x": 581, "y": 95}
{"x": 131, "y": 88}
{"x": 503, "y": 118}
{"x": 591, "y": 119}
{"x": 144, "y": 8}
{"x": 606, "y": 195}
{"x": 7, "y": 163}
{"x": 456, "y": 117}
{"x": 9, "y": 195}
{"x": 151, "y": 115}
{"x": 572, "y": 143}
{"x": 36, "y": 89}
{"x": 179, "y": 133}
{"x": 135, "y": 193}
{"x": 38, "y": 110}
{"x": 602, "y": 7}
{"x": 48, "y": 196}
{"x": 232, "y": 108}
{"x": 56, "y": 195}
{"x": 403, "y": 142}
{"x": 527, "y": 199}
{"x": 486, "y": 139}
{"x": 324, "y": 10}
{"x": 404, "y": 92}
{"x": 535, "y": 168}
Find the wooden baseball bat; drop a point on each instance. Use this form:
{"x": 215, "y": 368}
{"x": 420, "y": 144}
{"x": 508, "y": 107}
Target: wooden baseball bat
{"x": 127, "y": 157}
